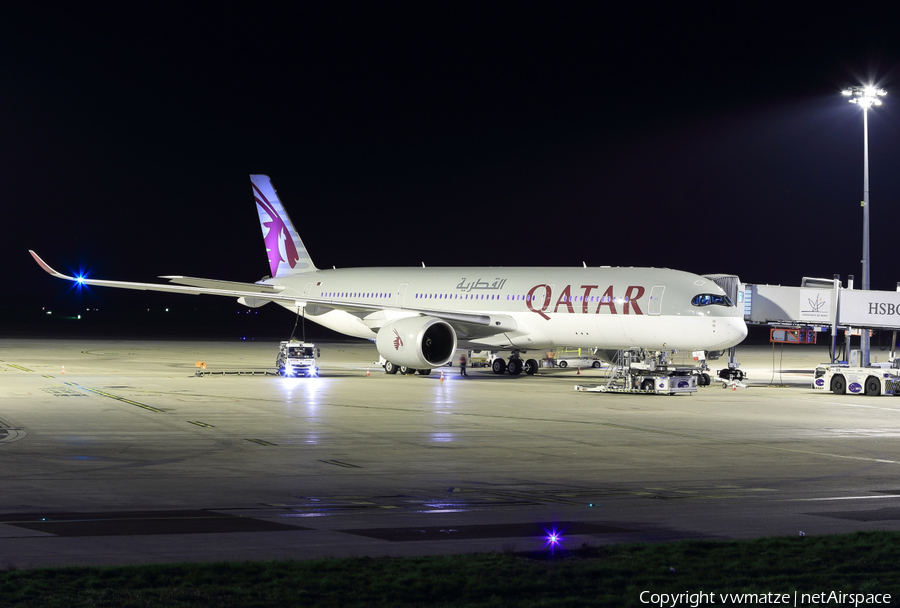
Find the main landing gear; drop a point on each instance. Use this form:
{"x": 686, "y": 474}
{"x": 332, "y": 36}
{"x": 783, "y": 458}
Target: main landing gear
{"x": 515, "y": 366}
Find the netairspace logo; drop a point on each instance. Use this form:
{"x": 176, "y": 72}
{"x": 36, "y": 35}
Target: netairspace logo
{"x": 824, "y": 598}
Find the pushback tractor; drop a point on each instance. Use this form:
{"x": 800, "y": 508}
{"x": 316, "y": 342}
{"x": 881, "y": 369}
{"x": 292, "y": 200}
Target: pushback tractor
{"x": 841, "y": 379}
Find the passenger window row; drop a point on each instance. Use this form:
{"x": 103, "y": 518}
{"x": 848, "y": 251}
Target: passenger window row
{"x": 359, "y": 295}
{"x": 456, "y": 296}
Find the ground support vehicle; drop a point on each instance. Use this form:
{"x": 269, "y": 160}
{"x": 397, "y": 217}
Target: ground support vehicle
{"x": 581, "y": 362}
{"x": 480, "y": 359}
{"x": 297, "y": 358}
{"x": 873, "y": 381}
{"x": 642, "y": 372}
{"x": 393, "y": 368}
{"x": 574, "y": 357}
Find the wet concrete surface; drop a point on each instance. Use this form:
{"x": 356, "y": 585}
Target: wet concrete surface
{"x": 129, "y": 457}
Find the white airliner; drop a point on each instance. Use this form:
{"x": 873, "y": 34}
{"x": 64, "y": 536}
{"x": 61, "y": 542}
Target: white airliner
{"x": 419, "y": 317}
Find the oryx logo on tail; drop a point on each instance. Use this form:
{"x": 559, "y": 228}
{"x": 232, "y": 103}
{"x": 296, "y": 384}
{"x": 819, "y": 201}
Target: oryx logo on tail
{"x": 285, "y": 250}
{"x": 278, "y": 240}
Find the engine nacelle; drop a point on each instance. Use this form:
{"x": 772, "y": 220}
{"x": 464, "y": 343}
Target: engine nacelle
{"x": 417, "y": 342}
{"x": 253, "y": 302}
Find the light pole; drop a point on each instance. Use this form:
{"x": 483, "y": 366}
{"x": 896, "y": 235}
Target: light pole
{"x": 865, "y": 97}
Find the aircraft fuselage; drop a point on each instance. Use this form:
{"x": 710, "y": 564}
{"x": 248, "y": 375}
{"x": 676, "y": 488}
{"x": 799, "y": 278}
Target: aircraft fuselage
{"x": 543, "y": 307}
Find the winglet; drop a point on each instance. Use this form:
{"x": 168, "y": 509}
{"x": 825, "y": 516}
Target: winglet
{"x": 47, "y": 268}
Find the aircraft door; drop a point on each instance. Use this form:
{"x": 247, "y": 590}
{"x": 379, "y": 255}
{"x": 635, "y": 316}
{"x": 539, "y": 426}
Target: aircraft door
{"x": 656, "y": 296}
{"x": 401, "y": 294}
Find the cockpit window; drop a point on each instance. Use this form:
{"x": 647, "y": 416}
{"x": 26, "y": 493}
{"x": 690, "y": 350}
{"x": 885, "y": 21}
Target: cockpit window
{"x": 711, "y": 299}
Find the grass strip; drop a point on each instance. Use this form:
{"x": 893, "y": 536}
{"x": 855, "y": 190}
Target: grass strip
{"x": 863, "y": 562}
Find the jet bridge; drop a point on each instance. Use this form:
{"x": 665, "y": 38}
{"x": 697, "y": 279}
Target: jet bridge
{"x": 819, "y": 304}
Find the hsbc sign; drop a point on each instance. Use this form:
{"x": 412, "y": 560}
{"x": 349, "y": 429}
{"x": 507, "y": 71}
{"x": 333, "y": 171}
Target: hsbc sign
{"x": 860, "y": 308}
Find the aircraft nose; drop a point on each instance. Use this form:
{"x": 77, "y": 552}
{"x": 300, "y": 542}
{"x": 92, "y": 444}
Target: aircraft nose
{"x": 735, "y": 332}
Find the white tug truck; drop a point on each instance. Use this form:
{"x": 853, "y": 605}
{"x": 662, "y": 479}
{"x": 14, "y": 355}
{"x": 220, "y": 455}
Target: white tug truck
{"x": 841, "y": 379}
{"x": 297, "y": 358}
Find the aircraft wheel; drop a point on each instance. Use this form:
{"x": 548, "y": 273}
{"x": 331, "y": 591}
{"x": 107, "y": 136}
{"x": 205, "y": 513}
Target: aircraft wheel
{"x": 424, "y": 372}
{"x": 873, "y": 386}
{"x": 514, "y": 367}
{"x": 531, "y": 366}
{"x": 407, "y": 370}
{"x": 564, "y": 363}
{"x": 705, "y": 380}
{"x": 838, "y": 385}
{"x": 390, "y": 368}
{"x": 595, "y": 364}
{"x": 498, "y": 366}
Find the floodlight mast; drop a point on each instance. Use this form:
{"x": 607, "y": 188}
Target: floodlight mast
{"x": 865, "y": 97}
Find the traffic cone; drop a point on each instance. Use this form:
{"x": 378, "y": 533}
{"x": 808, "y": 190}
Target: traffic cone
{"x": 442, "y": 375}
{"x": 578, "y": 373}
{"x": 63, "y": 372}
{"x": 734, "y": 385}
{"x": 367, "y": 372}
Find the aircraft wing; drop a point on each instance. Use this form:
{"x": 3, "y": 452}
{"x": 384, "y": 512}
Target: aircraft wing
{"x": 467, "y": 326}
{"x": 179, "y": 284}
{"x": 216, "y": 284}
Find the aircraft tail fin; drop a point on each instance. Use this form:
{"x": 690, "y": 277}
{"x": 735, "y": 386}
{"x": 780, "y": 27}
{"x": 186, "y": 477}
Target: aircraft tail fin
{"x": 287, "y": 254}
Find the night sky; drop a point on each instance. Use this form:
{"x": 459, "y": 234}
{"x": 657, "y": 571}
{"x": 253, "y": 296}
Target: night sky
{"x": 707, "y": 140}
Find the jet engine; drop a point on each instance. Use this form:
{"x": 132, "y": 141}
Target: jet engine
{"x": 417, "y": 342}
